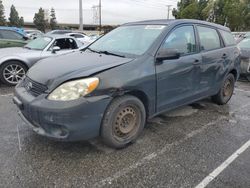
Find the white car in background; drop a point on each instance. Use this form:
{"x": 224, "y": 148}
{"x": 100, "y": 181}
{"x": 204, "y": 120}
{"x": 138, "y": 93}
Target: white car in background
{"x": 85, "y": 39}
{"x": 33, "y": 34}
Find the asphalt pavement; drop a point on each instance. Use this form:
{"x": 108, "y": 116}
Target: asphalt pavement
{"x": 195, "y": 144}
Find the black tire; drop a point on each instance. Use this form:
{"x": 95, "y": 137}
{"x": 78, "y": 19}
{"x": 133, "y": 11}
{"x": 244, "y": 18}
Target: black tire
{"x": 124, "y": 113}
{"x": 226, "y": 91}
{"x": 17, "y": 76}
{"x": 248, "y": 78}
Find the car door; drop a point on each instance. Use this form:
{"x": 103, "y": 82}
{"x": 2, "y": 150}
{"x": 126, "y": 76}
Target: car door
{"x": 213, "y": 59}
{"x": 177, "y": 78}
{"x": 11, "y": 39}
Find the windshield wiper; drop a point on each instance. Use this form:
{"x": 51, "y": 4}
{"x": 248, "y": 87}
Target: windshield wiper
{"x": 104, "y": 52}
{"x": 92, "y": 50}
{"x": 27, "y": 47}
{"x": 110, "y": 53}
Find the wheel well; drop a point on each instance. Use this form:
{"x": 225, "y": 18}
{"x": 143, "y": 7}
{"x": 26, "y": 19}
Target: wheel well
{"x": 234, "y": 72}
{"x": 15, "y": 61}
{"x": 143, "y": 98}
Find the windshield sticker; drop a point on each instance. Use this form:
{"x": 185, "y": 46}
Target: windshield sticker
{"x": 160, "y": 27}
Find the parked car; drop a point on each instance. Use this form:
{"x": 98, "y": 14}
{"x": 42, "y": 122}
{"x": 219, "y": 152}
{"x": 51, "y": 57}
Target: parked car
{"x": 131, "y": 74}
{"x": 18, "y": 30}
{"x": 86, "y": 40}
{"x": 59, "y": 32}
{"x": 244, "y": 46}
{"x": 10, "y": 37}
{"x": 94, "y": 37}
{"x": 239, "y": 36}
{"x": 33, "y": 34}
{"x": 14, "y": 62}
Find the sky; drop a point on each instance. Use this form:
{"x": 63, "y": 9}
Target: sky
{"x": 113, "y": 11}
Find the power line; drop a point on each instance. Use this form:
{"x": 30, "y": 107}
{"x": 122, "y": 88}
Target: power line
{"x": 148, "y": 5}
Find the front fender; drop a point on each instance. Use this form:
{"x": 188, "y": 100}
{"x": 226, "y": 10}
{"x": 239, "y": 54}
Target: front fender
{"x": 14, "y": 58}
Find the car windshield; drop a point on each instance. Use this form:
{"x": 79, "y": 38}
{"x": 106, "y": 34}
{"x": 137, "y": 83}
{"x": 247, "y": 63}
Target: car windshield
{"x": 245, "y": 43}
{"x": 131, "y": 40}
{"x": 39, "y": 43}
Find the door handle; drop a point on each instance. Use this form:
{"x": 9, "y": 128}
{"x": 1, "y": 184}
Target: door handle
{"x": 196, "y": 62}
{"x": 224, "y": 56}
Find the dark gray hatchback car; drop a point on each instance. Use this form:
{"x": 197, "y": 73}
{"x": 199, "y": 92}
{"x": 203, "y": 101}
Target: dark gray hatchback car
{"x": 131, "y": 74}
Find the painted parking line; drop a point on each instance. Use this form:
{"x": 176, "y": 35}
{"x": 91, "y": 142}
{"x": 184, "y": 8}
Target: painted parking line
{"x": 155, "y": 154}
{"x": 148, "y": 158}
{"x": 223, "y": 166}
{"x": 242, "y": 90}
{"x": 7, "y": 95}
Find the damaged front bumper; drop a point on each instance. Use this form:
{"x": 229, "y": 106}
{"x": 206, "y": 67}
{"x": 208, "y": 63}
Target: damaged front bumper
{"x": 69, "y": 121}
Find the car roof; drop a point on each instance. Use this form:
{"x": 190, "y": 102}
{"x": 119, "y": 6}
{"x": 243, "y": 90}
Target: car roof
{"x": 16, "y": 29}
{"x": 57, "y": 36}
{"x": 73, "y": 33}
{"x": 176, "y": 22}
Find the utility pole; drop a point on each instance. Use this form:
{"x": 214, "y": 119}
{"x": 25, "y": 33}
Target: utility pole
{"x": 169, "y": 8}
{"x": 100, "y": 16}
{"x": 80, "y": 16}
{"x": 95, "y": 10}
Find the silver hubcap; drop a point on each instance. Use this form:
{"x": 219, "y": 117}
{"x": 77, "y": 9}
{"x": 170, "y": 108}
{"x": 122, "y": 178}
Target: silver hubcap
{"x": 13, "y": 73}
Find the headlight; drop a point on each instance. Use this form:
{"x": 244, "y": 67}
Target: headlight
{"x": 73, "y": 90}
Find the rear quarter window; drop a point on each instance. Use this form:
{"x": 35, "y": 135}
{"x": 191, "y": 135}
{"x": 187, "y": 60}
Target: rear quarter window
{"x": 228, "y": 38}
{"x": 209, "y": 38}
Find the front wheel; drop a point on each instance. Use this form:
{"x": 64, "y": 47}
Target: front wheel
{"x": 226, "y": 91}
{"x": 248, "y": 78}
{"x": 123, "y": 121}
{"x": 12, "y": 72}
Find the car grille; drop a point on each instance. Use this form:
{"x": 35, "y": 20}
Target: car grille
{"x": 34, "y": 88}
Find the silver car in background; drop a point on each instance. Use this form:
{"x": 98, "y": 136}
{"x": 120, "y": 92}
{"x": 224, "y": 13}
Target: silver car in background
{"x": 85, "y": 39}
{"x": 14, "y": 62}
{"x": 244, "y": 47}
{"x": 33, "y": 34}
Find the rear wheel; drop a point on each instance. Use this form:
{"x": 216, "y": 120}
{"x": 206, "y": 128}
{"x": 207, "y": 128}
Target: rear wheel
{"x": 248, "y": 77}
{"x": 12, "y": 72}
{"x": 226, "y": 91}
{"x": 123, "y": 121}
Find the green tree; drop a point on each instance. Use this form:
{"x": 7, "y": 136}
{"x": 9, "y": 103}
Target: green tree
{"x": 191, "y": 9}
{"x": 181, "y": 5}
{"x": 2, "y": 17}
{"x": 39, "y": 20}
{"x": 234, "y": 14}
{"x": 21, "y": 22}
{"x": 246, "y": 14}
{"x": 202, "y": 4}
{"x": 14, "y": 19}
{"x": 53, "y": 21}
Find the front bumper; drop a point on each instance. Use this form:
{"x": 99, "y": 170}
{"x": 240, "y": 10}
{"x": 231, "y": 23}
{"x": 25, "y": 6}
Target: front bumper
{"x": 69, "y": 121}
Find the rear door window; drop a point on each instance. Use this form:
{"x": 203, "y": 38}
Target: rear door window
{"x": 228, "y": 38}
{"x": 11, "y": 35}
{"x": 182, "y": 39}
{"x": 209, "y": 38}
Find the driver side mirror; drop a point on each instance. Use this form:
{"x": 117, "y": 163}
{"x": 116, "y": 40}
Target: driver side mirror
{"x": 55, "y": 49}
{"x": 167, "y": 54}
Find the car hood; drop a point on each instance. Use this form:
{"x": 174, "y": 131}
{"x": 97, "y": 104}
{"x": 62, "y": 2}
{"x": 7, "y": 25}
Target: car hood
{"x": 56, "y": 70}
{"x": 13, "y": 51}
